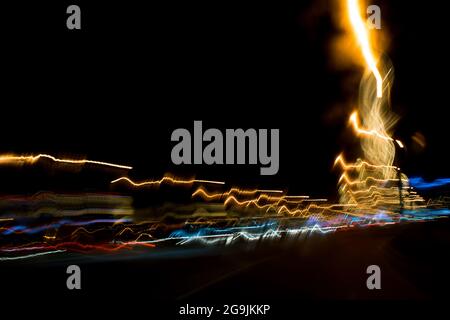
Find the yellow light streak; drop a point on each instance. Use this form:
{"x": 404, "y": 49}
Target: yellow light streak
{"x": 33, "y": 159}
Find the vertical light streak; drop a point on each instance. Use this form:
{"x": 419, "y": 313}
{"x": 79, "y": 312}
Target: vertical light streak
{"x": 359, "y": 28}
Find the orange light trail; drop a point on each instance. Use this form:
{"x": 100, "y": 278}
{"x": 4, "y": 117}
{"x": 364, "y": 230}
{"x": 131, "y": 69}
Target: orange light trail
{"x": 352, "y": 182}
{"x": 362, "y": 35}
{"x": 33, "y": 159}
{"x": 355, "y": 123}
{"x": 214, "y": 196}
{"x": 171, "y": 180}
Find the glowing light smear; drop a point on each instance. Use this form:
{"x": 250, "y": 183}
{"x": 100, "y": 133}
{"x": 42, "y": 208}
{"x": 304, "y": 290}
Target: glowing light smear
{"x": 362, "y": 35}
{"x": 373, "y": 181}
{"x": 371, "y": 191}
{"x": 168, "y": 179}
{"x": 33, "y": 159}
{"x": 420, "y": 183}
